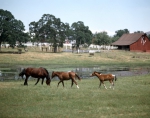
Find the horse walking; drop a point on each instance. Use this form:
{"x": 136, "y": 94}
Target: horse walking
{"x": 66, "y": 76}
{"x": 105, "y": 77}
{"x": 36, "y": 73}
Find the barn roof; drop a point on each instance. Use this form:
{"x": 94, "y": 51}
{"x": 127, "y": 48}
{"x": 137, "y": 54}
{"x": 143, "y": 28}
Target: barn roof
{"x": 128, "y": 39}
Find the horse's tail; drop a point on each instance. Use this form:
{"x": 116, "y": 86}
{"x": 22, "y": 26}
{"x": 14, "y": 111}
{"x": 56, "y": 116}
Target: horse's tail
{"x": 77, "y": 76}
{"x": 115, "y": 78}
{"x": 22, "y": 73}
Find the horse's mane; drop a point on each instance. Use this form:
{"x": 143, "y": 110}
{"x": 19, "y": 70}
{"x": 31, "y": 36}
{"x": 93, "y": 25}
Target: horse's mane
{"x": 77, "y": 76}
{"x": 56, "y": 72}
{"x": 98, "y": 72}
{"x": 47, "y": 72}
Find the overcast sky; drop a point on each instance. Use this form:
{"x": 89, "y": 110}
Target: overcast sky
{"x": 99, "y": 15}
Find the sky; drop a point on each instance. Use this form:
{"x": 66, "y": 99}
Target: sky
{"x": 98, "y": 15}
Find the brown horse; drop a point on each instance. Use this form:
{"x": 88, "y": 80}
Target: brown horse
{"x": 105, "y": 77}
{"x": 66, "y": 76}
{"x": 36, "y": 73}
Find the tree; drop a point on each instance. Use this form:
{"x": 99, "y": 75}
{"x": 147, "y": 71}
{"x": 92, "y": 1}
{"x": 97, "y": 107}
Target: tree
{"x": 34, "y": 31}
{"x": 11, "y": 30}
{"x": 80, "y": 33}
{"x": 148, "y": 36}
{"x": 139, "y": 32}
{"x": 101, "y": 38}
{"x": 114, "y": 38}
{"x": 119, "y": 33}
{"x": 50, "y": 29}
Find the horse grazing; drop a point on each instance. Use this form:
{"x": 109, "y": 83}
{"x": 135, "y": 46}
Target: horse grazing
{"x": 66, "y": 76}
{"x": 105, "y": 77}
{"x": 36, "y": 73}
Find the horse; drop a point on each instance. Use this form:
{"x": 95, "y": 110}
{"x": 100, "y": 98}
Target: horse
{"x": 66, "y": 76}
{"x": 36, "y": 73}
{"x": 105, "y": 77}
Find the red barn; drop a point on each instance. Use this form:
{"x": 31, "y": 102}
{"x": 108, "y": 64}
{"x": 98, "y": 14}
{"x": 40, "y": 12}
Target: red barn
{"x": 138, "y": 42}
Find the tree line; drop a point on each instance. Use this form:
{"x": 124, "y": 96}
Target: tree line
{"x": 11, "y": 29}
{"x": 52, "y": 30}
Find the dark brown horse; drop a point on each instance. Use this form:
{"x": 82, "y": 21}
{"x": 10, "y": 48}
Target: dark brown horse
{"x": 36, "y": 73}
{"x": 105, "y": 77}
{"x": 66, "y": 76}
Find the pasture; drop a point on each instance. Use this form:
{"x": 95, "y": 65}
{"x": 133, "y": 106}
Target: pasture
{"x": 130, "y": 98}
{"x": 37, "y": 58}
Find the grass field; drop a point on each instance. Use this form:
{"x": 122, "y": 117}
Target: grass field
{"x": 130, "y": 98}
{"x": 38, "y": 58}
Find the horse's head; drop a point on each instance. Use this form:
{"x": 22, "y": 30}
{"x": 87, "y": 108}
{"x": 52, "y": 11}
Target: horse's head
{"x": 48, "y": 81}
{"x": 53, "y": 74}
{"x": 98, "y": 72}
{"x": 91, "y": 75}
{"x": 95, "y": 73}
{"x": 22, "y": 73}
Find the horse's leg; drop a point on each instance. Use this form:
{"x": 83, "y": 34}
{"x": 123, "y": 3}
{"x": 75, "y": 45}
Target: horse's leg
{"x": 63, "y": 83}
{"x": 111, "y": 83}
{"x": 104, "y": 85}
{"x": 71, "y": 83}
{"x": 75, "y": 83}
{"x": 42, "y": 81}
{"x": 37, "y": 81}
{"x": 99, "y": 84}
{"x": 59, "y": 83}
{"x": 26, "y": 80}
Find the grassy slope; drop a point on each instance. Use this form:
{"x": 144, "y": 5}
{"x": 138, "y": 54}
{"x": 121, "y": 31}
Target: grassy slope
{"x": 38, "y": 58}
{"x": 129, "y": 99}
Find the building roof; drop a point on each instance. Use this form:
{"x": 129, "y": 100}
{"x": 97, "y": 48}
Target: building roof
{"x": 128, "y": 39}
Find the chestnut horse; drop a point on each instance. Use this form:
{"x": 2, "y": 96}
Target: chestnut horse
{"x": 105, "y": 77}
{"x": 66, "y": 76}
{"x": 36, "y": 73}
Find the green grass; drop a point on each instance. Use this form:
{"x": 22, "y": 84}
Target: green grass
{"x": 39, "y": 58}
{"x": 131, "y": 98}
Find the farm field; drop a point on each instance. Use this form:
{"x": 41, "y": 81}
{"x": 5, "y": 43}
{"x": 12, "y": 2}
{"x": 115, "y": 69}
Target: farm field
{"x": 37, "y": 58}
{"x": 130, "y": 98}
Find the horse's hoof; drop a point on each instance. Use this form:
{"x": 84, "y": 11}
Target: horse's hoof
{"x": 77, "y": 86}
{"x": 25, "y": 84}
